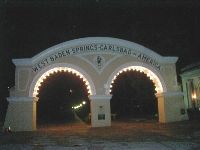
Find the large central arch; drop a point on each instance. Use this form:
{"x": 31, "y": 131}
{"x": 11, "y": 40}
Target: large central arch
{"x": 97, "y": 60}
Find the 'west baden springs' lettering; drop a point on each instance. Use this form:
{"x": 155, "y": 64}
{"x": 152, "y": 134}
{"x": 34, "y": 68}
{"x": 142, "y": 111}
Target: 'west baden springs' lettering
{"x": 95, "y": 48}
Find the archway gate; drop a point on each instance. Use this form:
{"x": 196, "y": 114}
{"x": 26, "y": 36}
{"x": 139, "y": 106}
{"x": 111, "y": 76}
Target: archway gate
{"x": 98, "y": 61}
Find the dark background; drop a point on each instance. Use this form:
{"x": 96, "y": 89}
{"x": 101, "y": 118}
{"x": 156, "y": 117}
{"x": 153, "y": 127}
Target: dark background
{"x": 168, "y": 27}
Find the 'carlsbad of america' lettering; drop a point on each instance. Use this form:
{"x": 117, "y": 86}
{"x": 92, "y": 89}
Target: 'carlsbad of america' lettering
{"x": 93, "y": 48}
{"x": 149, "y": 60}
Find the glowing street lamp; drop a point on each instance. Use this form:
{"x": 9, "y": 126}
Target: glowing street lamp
{"x": 194, "y": 97}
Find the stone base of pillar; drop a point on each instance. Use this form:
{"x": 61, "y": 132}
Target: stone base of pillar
{"x": 171, "y": 107}
{"x": 21, "y": 114}
{"x": 100, "y": 110}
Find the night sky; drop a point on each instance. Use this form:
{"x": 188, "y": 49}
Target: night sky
{"x": 170, "y": 27}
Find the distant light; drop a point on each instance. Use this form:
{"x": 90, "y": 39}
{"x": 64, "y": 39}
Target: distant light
{"x": 194, "y": 96}
{"x": 79, "y": 106}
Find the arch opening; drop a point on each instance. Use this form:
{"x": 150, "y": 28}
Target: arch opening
{"x": 58, "y": 94}
{"x": 60, "y": 69}
{"x": 152, "y": 76}
{"x": 133, "y": 97}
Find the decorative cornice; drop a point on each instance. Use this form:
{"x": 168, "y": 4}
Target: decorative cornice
{"x": 170, "y": 94}
{"x": 22, "y": 62}
{"x": 169, "y": 60}
{"x": 191, "y": 67}
{"x": 24, "y": 99}
{"x": 191, "y": 73}
{"x": 100, "y": 97}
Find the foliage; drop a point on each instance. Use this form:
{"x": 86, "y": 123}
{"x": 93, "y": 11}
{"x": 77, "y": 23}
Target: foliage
{"x": 133, "y": 95}
{"x": 58, "y": 93}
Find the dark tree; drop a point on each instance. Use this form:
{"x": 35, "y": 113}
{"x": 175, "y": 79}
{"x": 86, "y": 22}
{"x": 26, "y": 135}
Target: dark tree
{"x": 58, "y": 93}
{"x": 133, "y": 95}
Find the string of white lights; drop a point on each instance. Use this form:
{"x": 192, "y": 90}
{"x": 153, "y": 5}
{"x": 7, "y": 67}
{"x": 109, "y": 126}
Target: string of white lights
{"x": 79, "y": 106}
{"x": 149, "y": 73}
{"x": 60, "y": 69}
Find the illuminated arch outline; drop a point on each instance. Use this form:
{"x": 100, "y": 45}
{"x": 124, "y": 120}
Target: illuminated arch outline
{"x": 43, "y": 74}
{"x": 151, "y": 73}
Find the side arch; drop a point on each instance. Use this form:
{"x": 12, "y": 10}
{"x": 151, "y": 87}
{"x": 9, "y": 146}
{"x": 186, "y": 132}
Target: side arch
{"x": 153, "y": 74}
{"x": 40, "y": 76}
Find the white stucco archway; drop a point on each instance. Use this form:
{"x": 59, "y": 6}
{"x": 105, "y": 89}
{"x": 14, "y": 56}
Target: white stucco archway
{"x": 97, "y": 60}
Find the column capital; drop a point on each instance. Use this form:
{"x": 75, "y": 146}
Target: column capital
{"x": 100, "y": 97}
{"x": 170, "y": 94}
{"x": 24, "y": 99}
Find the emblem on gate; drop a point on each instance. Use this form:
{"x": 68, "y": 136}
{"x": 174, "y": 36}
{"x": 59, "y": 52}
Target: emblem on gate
{"x": 99, "y": 61}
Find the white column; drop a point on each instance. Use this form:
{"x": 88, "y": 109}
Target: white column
{"x": 21, "y": 113}
{"x": 171, "y": 107}
{"x": 100, "y": 110}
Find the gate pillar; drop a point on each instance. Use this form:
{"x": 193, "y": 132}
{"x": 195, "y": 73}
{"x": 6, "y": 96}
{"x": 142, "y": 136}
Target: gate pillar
{"x": 21, "y": 113}
{"x": 171, "y": 107}
{"x": 100, "y": 110}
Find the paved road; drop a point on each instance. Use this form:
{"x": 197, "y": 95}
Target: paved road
{"x": 105, "y": 145}
{"x": 121, "y": 136}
